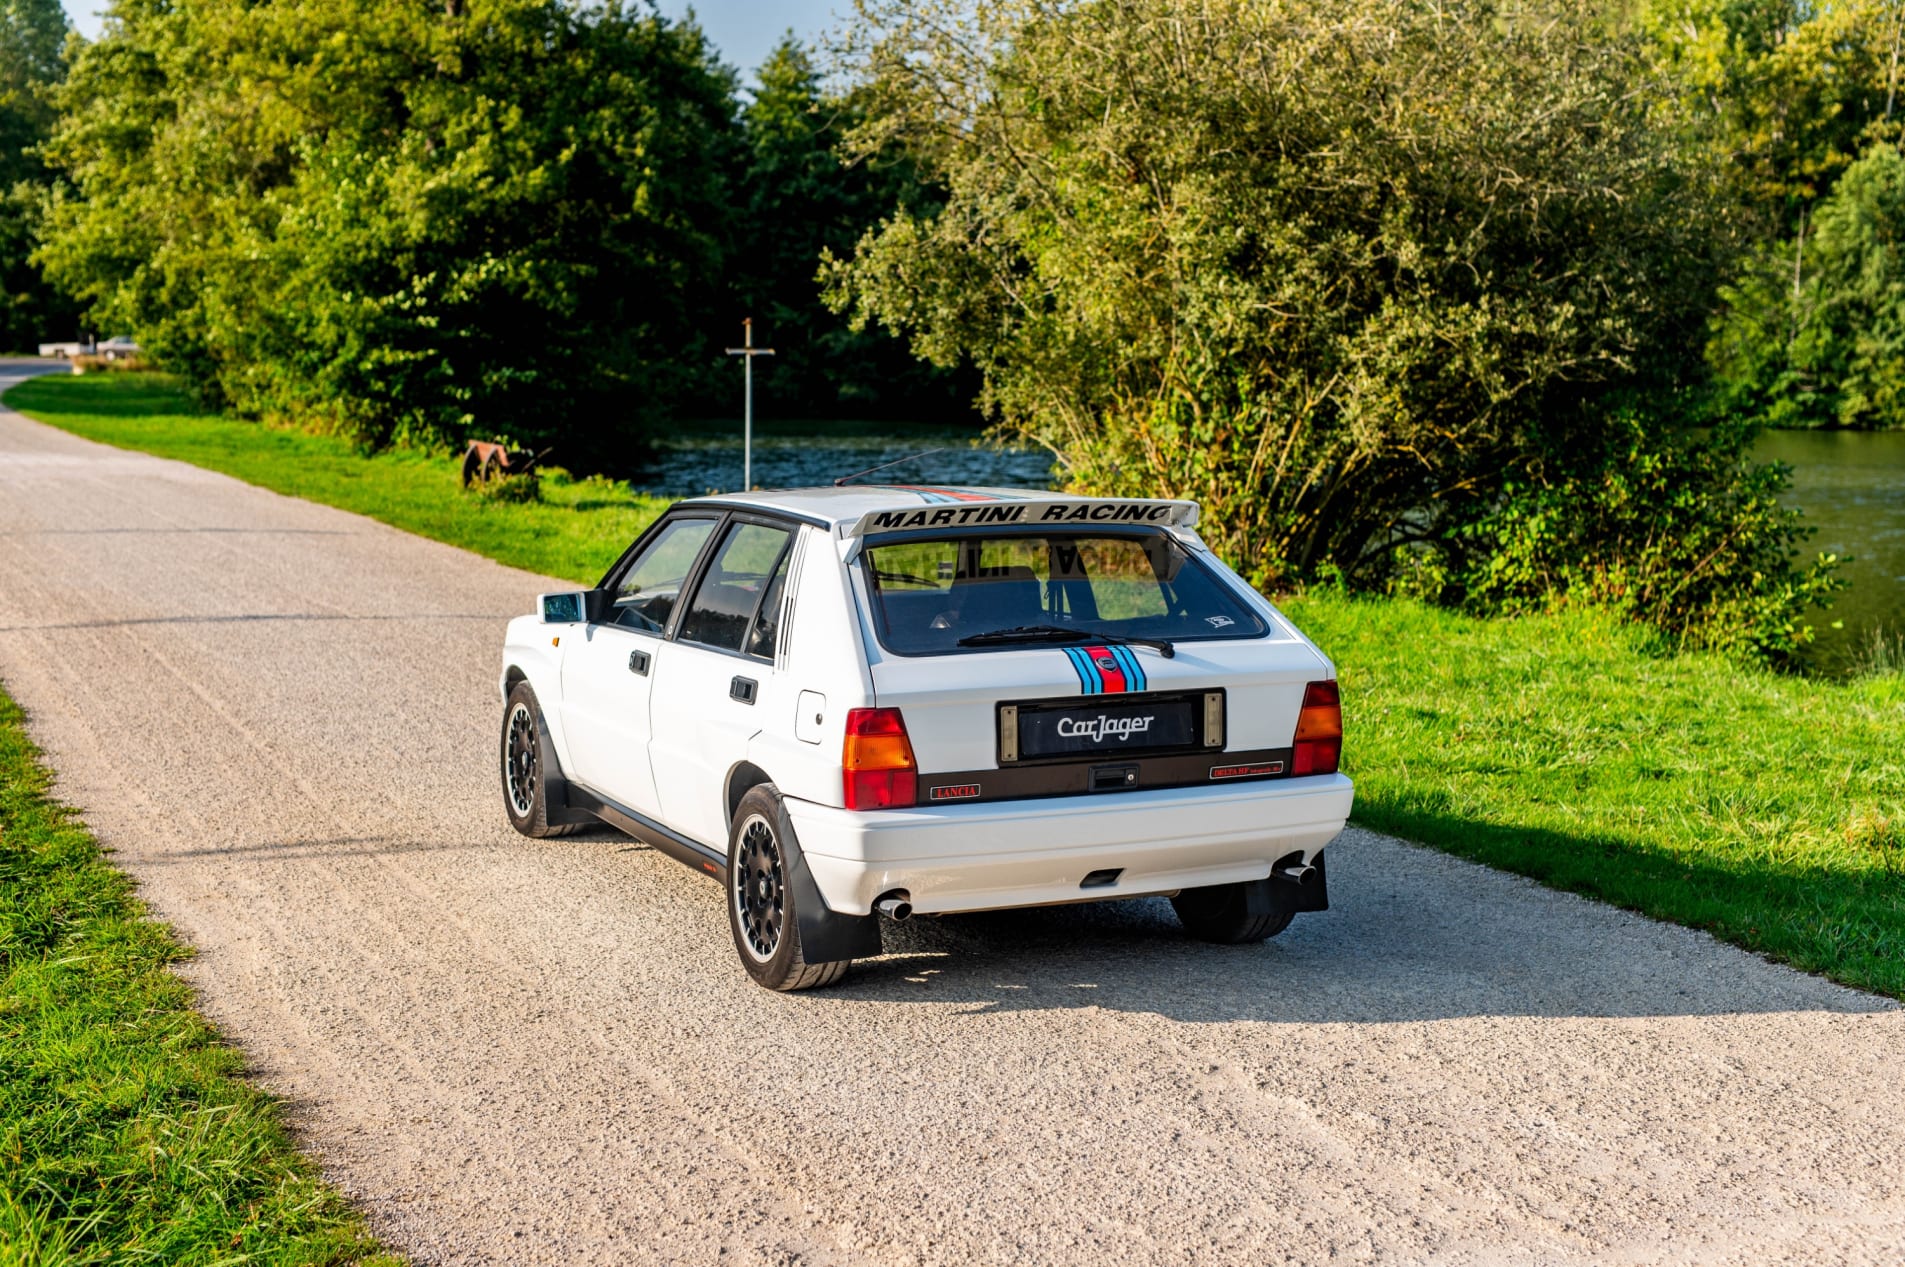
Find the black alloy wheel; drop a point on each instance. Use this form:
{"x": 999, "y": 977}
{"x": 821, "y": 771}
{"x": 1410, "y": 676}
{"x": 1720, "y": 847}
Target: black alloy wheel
{"x": 759, "y": 879}
{"x": 522, "y": 766}
{"x": 526, "y": 767}
{"x": 763, "y": 859}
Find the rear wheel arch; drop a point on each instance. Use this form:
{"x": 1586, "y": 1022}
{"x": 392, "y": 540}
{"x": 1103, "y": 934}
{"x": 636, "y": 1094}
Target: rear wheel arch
{"x": 742, "y": 779}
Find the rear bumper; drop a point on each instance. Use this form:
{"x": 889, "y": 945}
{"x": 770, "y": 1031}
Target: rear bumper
{"x": 1034, "y": 853}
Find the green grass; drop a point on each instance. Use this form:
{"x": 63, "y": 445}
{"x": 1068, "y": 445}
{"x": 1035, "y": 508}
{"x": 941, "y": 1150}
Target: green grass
{"x": 126, "y": 1135}
{"x": 575, "y": 532}
{"x": 1769, "y": 810}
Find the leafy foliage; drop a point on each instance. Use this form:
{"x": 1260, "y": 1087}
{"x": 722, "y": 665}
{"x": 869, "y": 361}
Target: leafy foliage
{"x": 405, "y": 220}
{"x": 1684, "y": 534}
{"x": 1790, "y": 92}
{"x": 32, "y": 35}
{"x": 1351, "y": 275}
{"x": 795, "y": 200}
{"x": 1814, "y": 332}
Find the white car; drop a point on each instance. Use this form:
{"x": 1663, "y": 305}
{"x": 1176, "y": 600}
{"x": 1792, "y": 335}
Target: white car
{"x": 852, "y": 703}
{"x": 116, "y": 348}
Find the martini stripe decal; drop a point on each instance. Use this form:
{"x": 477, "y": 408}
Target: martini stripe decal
{"x": 1110, "y": 671}
{"x": 1087, "y": 675}
{"x": 1133, "y": 671}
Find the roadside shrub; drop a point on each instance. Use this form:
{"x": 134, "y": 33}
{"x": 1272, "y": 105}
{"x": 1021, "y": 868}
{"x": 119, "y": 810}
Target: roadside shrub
{"x": 1686, "y": 534}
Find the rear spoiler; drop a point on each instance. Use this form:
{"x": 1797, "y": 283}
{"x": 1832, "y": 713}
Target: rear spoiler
{"x": 1056, "y": 512}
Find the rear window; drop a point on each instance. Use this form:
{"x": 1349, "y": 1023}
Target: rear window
{"x": 928, "y": 594}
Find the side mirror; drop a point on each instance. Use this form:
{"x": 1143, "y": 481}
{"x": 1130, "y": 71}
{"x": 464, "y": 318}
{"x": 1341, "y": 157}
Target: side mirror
{"x": 574, "y": 608}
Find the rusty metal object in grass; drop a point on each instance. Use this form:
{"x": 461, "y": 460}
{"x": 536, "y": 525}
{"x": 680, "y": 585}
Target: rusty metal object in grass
{"x": 485, "y": 462}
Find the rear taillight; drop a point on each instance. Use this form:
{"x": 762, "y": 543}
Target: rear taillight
{"x": 877, "y": 767}
{"x": 1319, "y": 731}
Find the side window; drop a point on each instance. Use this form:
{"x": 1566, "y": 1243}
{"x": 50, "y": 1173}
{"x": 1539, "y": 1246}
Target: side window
{"x": 650, "y": 588}
{"x": 745, "y": 568}
{"x": 764, "y": 637}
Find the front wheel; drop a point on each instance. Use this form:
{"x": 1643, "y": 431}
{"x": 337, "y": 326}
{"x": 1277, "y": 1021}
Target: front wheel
{"x": 761, "y": 910}
{"x": 524, "y": 760}
{"x": 1232, "y": 914}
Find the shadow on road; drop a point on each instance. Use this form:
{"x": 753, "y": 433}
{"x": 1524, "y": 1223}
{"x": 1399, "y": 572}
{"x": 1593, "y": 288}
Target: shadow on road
{"x": 1411, "y": 936}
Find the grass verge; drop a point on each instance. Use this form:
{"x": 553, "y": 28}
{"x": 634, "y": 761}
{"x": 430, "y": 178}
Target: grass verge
{"x": 125, "y": 1132}
{"x": 1769, "y": 810}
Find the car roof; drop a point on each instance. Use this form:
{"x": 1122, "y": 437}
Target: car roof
{"x": 837, "y": 505}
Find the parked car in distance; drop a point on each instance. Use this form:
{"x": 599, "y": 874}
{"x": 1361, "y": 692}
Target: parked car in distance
{"x": 117, "y": 348}
{"x": 856, "y": 703}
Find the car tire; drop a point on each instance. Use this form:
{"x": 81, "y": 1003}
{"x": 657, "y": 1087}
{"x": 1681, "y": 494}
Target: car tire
{"x": 523, "y": 758}
{"x": 1222, "y": 913}
{"x": 762, "y": 854}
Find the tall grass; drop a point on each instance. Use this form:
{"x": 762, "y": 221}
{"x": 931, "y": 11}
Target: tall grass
{"x": 1883, "y": 655}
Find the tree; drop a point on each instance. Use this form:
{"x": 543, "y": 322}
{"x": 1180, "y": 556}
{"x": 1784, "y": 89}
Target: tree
{"x": 33, "y": 34}
{"x": 1813, "y": 334}
{"x": 798, "y": 201}
{"x": 406, "y": 220}
{"x": 1347, "y": 273}
{"x": 1331, "y": 269}
{"x": 1790, "y": 92}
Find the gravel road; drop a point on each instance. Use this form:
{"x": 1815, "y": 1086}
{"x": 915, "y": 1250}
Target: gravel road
{"x": 281, "y": 717}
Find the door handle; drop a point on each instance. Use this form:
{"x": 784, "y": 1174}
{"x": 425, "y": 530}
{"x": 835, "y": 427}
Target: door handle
{"x": 742, "y": 688}
{"x": 638, "y": 662}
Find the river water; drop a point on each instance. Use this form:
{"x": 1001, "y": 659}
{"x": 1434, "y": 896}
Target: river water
{"x": 1851, "y": 484}
{"x": 704, "y": 458}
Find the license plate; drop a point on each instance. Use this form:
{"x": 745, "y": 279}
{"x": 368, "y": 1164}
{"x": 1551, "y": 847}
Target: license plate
{"x": 1030, "y": 731}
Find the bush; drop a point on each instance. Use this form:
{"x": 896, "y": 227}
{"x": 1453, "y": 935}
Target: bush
{"x": 1353, "y": 275}
{"x": 1684, "y": 534}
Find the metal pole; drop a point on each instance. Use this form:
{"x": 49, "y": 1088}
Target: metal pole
{"x": 748, "y": 351}
{"x": 747, "y": 406}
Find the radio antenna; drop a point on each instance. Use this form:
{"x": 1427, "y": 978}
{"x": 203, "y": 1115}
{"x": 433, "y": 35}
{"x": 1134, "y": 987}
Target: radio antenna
{"x": 848, "y": 479}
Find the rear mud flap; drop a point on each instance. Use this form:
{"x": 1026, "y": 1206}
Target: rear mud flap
{"x": 825, "y": 935}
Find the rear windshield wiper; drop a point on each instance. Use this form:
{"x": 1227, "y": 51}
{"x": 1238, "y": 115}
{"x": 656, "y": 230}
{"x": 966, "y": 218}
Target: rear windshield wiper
{"x": 1059, "y": 633}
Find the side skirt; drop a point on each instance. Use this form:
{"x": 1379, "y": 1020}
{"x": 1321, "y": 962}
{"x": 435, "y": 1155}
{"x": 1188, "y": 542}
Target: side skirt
{"x": 683, "y": 850}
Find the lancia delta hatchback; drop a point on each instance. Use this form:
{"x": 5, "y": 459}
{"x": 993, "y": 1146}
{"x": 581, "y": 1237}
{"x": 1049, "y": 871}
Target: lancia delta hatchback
{"x": 865, "y": 703}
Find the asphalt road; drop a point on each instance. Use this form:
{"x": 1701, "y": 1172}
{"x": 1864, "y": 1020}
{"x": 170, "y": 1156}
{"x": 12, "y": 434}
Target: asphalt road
{"x": 281, "y": 717}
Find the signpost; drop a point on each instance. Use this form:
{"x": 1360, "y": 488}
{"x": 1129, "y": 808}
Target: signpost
{"x": 749, "y": 351}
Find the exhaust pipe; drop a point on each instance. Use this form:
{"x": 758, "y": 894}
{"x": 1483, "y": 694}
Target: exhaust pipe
{"x": 896, "y": 906}
{"x": 1296, "y": 873}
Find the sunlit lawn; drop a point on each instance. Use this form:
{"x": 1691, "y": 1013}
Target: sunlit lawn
{"x": 1768, "y": 810}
